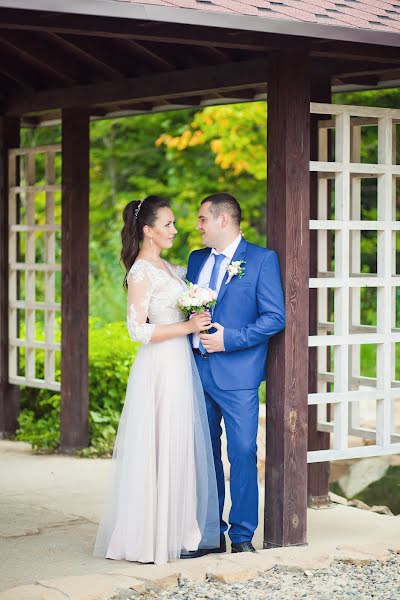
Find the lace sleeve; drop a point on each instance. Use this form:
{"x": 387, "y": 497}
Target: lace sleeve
{"x": 139, "y": 295}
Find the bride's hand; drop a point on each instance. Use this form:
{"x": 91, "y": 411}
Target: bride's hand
{"x": 199, "y": 322}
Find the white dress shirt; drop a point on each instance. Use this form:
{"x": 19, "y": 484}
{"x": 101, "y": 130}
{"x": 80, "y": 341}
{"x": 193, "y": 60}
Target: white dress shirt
{"x": 205, "y": 273}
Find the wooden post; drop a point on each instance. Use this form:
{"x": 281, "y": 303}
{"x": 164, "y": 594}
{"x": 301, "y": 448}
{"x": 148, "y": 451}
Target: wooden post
{"x": 75, "y": 272}
{"x": 9, "y": 394}
{"x": 318, "y": 473}
{"x": 288, "y": 233}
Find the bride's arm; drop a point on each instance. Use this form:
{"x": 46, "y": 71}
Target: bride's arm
{"x": 139, "y": 295}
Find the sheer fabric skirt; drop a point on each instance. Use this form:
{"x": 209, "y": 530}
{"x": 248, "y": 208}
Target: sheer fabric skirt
{"x": 163, "y": 498}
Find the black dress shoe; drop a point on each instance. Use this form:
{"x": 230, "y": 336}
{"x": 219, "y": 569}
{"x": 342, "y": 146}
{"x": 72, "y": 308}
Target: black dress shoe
{"x": 204, "y": 551}
{"x": 243, "y": 547}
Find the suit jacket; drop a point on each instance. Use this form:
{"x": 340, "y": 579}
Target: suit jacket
{"x": 251, "y": 310}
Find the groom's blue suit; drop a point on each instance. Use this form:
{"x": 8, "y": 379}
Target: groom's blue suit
{"x": 251, "y": 310}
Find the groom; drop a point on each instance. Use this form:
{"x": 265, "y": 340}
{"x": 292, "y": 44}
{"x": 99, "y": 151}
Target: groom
{"x": 231, "y": 361}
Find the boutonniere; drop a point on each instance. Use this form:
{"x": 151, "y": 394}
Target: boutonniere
{"x": 235, "y": 269}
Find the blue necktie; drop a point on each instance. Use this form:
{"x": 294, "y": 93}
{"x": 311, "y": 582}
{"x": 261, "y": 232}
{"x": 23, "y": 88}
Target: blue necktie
{"x": 215, "y": 272}
{"x": 218, "y": 258}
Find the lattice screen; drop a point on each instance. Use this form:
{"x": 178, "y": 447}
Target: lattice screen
{"x": 34, "y": 269}
{"x": 358, "y": 282}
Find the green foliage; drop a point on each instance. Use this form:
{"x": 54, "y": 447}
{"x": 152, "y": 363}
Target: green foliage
{"x": 111, "y": 354}
{"x": 39, "y": 420}
{"x": 130, "y": 158}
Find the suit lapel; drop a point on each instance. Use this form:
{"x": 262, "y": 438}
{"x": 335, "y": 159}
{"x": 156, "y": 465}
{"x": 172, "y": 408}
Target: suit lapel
{"x": 239, "y": 255}
{"x": 202, "y": 263}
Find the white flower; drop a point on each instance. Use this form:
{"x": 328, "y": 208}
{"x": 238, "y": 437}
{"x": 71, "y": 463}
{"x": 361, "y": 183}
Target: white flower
{"x": 235, "y": 268}
{"x": 196, "y": 298}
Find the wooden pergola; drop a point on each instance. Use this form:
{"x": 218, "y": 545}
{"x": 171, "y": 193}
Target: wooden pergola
{"x": 94, "y": 58}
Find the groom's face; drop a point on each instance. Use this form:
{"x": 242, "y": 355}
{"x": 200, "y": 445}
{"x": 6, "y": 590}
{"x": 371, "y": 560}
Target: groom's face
{"x": 209, "y": 226}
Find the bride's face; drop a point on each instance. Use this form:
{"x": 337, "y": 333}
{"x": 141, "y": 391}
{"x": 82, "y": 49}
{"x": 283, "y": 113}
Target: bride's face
{"x": 164, "y": 231}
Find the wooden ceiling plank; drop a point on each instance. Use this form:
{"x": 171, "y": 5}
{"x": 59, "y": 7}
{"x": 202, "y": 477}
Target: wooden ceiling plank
{"x": 86, "y": 56}
{"x": 147, "y": 55}
{"x": 74, "y": 65}
{"x": 32, "y": 52}
{"x": 104, "y": 51}
{"x": 15, "y": 69}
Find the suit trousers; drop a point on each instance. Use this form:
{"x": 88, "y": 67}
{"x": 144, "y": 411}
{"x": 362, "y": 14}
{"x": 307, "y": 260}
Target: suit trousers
{"x": 239, "y": 409}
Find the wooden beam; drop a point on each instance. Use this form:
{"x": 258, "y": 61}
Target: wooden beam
{"x": 183, "y": 57}
{"x": 75, "y": 273}
{"x": 7, "y": 85}
{"x": 87, "y": 56}
{"x": 9, "y": 394}
{"x": 288, "y": 234}
{"x": 77, "y": 67}
{"x": 103, "y": 52}
{"x": 187, "y": 82}
{"x": 50, "y": 118}
{"x": 364, "y": 80}
{"x": 13, "y": 68}
{"x": 41, "y": 49}
{"x": 351, "y": 51}
{"x": 133, "y": 29}
{"x": 215, "y": 55}
{"x": 343, "y": 68}
{"x": 318, "y": 473}
{"x": 146, "y": 57}
{"x": 37, "y": 59}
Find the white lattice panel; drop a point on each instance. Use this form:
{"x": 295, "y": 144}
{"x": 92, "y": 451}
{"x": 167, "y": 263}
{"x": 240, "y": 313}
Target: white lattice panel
{"x": 354, "y": 406}
{"x": 34, "y": 249}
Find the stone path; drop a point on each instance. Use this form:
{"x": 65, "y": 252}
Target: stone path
{"x": 49, "y": 507}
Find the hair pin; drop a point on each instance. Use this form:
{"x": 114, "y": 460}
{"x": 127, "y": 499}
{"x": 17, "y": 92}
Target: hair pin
{"x": 138, "y": 208}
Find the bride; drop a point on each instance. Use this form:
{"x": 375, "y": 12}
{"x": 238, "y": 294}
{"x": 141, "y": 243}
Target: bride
{"x": 163, "y": 500}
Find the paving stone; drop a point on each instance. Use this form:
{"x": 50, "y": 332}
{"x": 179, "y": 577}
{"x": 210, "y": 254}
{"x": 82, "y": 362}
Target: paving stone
{"x": 382, "y": 510}
{"x": 358, "y": 504}
{"x": 93, "y": 587}
{"x": 232, "y": 576}
{"x": 25, "y": 519}
{"x": 337, "y": 499}
{"x": 167, "y": 582}
{"x": 32, "y": 592}
{"x": 358, "y": 556}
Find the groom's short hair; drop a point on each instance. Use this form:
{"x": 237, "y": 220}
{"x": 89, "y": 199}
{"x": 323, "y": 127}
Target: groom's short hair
{"x": 222, "y": 202}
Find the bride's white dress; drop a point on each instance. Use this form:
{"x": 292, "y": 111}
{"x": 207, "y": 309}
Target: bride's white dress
{"x": 163, "y": 497}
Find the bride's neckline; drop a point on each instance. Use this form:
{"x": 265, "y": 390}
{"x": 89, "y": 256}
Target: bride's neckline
{"x": 168, "y": 271}
{"x": 152, "y": 265}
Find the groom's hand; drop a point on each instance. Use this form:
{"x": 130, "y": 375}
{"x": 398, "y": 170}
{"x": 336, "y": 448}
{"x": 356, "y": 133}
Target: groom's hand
{"x": 213, "y": 342}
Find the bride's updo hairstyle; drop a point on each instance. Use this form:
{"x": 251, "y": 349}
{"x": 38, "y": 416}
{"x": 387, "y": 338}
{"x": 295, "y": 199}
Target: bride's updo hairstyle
{"x": 136, "y": 215}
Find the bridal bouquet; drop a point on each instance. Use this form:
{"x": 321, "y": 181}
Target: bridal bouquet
{"x": 196, "y": 299}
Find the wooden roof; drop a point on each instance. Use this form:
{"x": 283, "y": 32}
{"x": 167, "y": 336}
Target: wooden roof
{"x": 124, "y": 57}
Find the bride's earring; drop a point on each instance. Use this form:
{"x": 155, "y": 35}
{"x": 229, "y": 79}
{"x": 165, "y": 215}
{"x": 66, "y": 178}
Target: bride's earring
{"x": 151, "y": 242}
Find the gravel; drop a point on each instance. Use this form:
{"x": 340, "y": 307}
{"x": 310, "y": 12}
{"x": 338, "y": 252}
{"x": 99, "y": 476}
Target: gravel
{"x": 376, "y": 580}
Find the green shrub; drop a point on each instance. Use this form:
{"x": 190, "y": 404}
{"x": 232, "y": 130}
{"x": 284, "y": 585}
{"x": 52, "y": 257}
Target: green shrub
{"x": 111, "y": 354}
